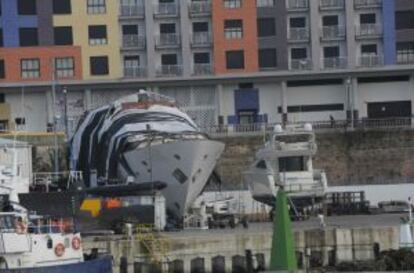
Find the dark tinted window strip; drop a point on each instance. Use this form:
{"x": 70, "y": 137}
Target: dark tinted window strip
{"x": 384, "y": 79}
{"x": 314, "y": 82}
{"x": 313, "y": 108}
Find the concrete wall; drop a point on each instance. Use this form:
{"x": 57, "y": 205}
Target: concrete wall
{"x": 358, "y": 157}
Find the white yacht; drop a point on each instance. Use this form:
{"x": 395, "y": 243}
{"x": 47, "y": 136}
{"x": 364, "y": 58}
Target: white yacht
{"x": 145, "y": 138}
{"x": 286, "y": 161}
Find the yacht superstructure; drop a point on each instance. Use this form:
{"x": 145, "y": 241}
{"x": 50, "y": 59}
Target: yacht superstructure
{"x": 286, "y": 161}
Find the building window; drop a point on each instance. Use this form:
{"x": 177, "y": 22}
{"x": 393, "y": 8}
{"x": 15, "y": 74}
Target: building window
{"x": 169, "y": 59}
{"x": 235, "y": 59}
{"x": 202, "y": 58}
{"x": 233, "y": 29}
{"x": 331, "y": 51}
{"x": 298, "y": 53}
{"x": 26, "y": 7}
{"x": 1, "y": 37}
{"x": 167, "y": 28}
{"x": 130, "y": 30}
{"x": 131, "y": 61}
{"x": 297, "y": 22}
{"x": 96, "y": 6}
{"x": 63, "y": 35}
{"x": 99, "y": 65}
{"x": 404, "y": 19}
{"x": 368, "y": 18}
{"x": 2, "y": 70}
{"x": 232, "y": 4}
{"x": 62, "y": 7}
{"x": 266, "y": 27}
{"x": 28, "y": 37}
{"x": 30, "y": 68}
{"x": 267, "y": 58}
{"x": 200, "y": 27}
{"x": 65, "y": 67}
{"x": 97, "y": 35}
{"x": 330, "y": 20}
{"x": 370, "y": 49}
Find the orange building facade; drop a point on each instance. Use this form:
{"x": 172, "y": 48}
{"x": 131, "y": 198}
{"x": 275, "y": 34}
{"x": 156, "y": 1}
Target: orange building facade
{"x": 47, "y": 58}
{"x": 247, "y": 43}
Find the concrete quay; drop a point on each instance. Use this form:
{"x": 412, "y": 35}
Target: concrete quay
{"x": 346, "y": 238}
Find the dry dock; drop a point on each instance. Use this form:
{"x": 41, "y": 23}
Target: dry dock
{"x": 344, "y": 238}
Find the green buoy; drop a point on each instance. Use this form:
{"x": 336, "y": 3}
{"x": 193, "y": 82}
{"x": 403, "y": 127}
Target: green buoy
{"x": 283, "y": 256}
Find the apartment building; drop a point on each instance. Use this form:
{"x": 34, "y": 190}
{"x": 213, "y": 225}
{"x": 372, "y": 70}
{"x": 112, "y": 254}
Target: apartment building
{"x": 226, "y": 61}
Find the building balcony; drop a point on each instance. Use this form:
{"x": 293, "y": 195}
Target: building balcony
{"x": 334, "y": 63}
{"x": 169, "y": 70}
{"x": 166, "y": 10}
{"x": 330, "y": 33}
{"x": 301, "y": 64}
{"x": 135, "y": 72}
{"x": 368, "y": 31}
{"x": 405, "y": 57}
{"x": 133, "y": 42}
{"x": 168, "y": 40}
{"x": 370, "y": 60}
{"x": 201, "y": 39}
{"x": 298, "y": 34}
{"x": 331, "y": 4}
{"x": 132, "y": 11}
{"x": 363, "y": 4}
{"x": 203, "y": 69}
{"x": 265, "y": 3}
{"x": 297, "y": 5}
{"x": 200, "y": 8}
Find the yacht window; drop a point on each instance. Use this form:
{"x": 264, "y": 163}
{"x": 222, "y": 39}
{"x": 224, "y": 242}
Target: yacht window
{"x": 49, "y": 243}
{"x": 291, "y": 164}
{"x": 261, "y": 165}
{"x": 180, "y": 176}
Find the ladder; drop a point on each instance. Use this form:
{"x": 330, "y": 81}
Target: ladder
{"x": 156, "y": 246}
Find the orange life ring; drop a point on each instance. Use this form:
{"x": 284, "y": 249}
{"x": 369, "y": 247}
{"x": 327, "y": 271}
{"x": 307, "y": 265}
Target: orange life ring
{"x": 76, "y": 243}
{"x": 59, "y": 250}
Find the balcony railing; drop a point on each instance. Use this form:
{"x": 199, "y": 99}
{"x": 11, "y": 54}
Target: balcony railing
{"x": 332, "y": 4}
{"x": 133, "y": 41}
{"x": 203, "y": 69}
{"x": 201, "y": 39}
{"x": 167, "y": 39}
{"x": 169, "y": 70}
{"x": 132, "y": 10}
{"x": 333, "y": 32}
{"x": 370, "y": 60}
{"x": 298, "y": 4}
{"x": 166, "y": 9}
{"x": 367, "y": 3}
{"x": 301, "y": 64}
{"x": 299, "y": 34}
{"x": 368, "y": 30}
{"x": 334, "y": 63}
{"x": 405, "y": 57}
{"x": 135, "y": 72}
{"x": 200, "y": 8}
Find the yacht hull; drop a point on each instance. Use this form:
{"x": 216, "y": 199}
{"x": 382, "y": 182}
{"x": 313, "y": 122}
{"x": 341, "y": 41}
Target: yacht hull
{"x": 185, "y": 166}
{"x": 99, "y": 265}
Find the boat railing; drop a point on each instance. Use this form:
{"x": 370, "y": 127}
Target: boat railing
{"x": 46, "y": 180}
{"x": 257, "y": 129}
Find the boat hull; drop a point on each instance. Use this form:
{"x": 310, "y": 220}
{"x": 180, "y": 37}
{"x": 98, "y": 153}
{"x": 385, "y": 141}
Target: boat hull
{"x": 99, "y": 265}
{"x": 185, "y": 166}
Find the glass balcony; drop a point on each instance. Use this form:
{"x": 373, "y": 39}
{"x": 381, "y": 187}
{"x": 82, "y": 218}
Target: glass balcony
{"x": 294, "y": 5}
{"x": 169, "y": 70}
{"x": 299, "y": 34}
{"x": 331, "y": 4}
{"x": 370, "y": 60}
{"x": 201, "y": 39}
{"x": 301, "y": 64}
{"x": 405, "y": 56}
{"x": 199, "y": 8}
{"x": 135, "y": 72}
{"x": 168, "y": 40}
{"x": 334, "y": 63}
{"x": 333, "y": 32}
{"x": 359, "y": 4}
{"x": 368, "y": 30}
{"x": 203, "y": 69}
{"x": 166, "y": 9}
{"x": 132, "y": 11}
{"x": 133, "y": 41}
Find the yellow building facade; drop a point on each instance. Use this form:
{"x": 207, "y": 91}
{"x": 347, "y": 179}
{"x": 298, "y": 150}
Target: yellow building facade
{"x": 80, "y": 20}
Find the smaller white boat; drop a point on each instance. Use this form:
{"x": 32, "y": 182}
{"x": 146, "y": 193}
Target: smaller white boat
{"x": 286, "y": 160}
